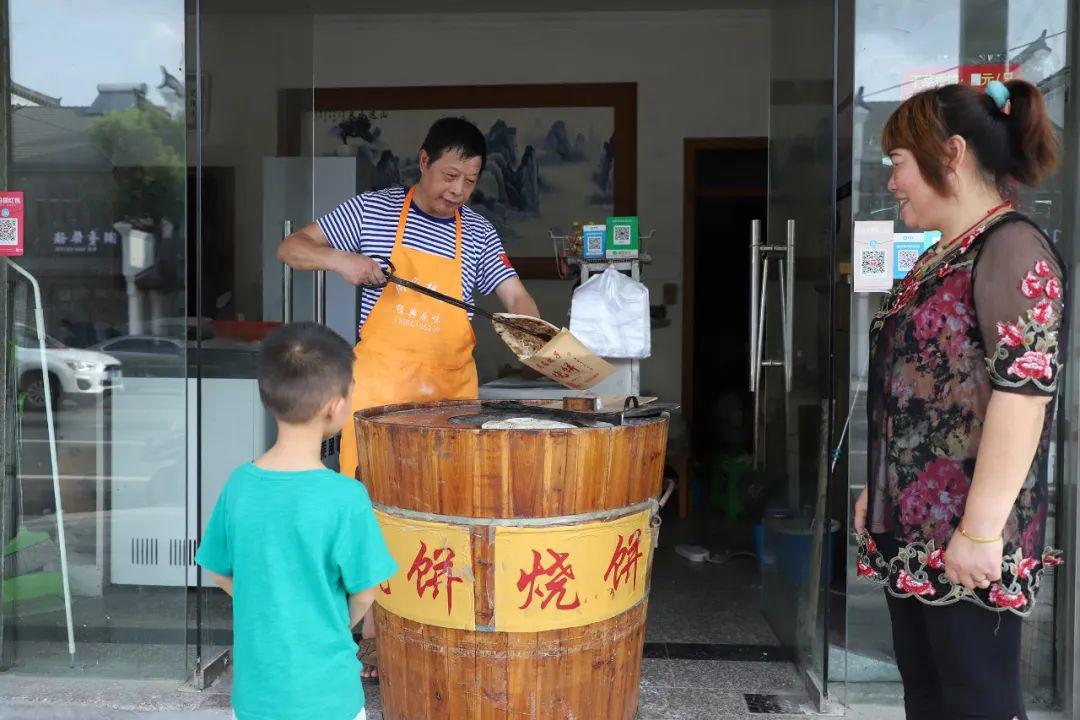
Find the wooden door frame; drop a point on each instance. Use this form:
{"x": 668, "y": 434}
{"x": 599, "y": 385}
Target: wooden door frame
{"x": 690, "y": 148}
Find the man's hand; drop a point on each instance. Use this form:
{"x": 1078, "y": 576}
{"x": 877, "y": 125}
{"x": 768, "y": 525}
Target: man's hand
{"x": 359, "y": 269}
{"x": 309, "y": 249}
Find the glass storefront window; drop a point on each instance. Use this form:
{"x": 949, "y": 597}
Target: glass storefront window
{"x": 900, "y": 48}
{"x": 98, "y": 144}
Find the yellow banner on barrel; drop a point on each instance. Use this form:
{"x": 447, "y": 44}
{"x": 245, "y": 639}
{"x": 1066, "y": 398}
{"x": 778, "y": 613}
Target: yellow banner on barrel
{"x": 568, "y": 576}
{"x": 434, "y": 582}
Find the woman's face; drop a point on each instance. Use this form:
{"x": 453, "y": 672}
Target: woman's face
{"x": 920, "y": 205}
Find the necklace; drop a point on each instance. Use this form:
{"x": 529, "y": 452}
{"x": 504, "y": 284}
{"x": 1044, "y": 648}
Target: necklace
{"x": 936, "y": 263}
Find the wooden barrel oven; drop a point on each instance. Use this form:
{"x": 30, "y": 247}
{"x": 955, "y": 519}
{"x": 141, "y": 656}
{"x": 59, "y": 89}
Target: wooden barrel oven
{"x": 524, "y": 560}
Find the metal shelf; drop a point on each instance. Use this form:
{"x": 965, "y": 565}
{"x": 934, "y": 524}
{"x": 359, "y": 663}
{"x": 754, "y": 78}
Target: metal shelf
{"x": 591, "y": 267}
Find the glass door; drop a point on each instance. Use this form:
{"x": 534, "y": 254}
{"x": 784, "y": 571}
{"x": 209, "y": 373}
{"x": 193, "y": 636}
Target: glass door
{"x": 793, "y": 266}
{"x": 254, "y": 183}
{"x": 901, "y": 48}
{"x": 95, "y": 340}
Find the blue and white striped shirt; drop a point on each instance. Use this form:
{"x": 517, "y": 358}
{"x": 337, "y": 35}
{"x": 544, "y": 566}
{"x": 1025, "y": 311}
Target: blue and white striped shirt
{"x": 367, "y": 224}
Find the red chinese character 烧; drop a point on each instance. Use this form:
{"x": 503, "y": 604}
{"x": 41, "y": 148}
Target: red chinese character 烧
{"x": 624, "y": 561}
{"x": 431, "y": 571}
{"x": 559, "y": 571}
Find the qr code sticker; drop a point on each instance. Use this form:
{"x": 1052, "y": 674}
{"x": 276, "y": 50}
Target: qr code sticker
{"x": 9, "y": 231}
{"x": 621, "y": 235}
{"x": 873, "y": 262}
{"x": 905, "y": 259}
{"x": 594, "y": 244}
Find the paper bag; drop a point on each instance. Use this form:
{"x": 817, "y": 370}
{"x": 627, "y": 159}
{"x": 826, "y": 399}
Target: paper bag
{"x": 563, "y": 357}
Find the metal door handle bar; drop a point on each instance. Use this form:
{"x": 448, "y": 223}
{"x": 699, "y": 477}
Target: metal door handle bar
{"x": 286, "y": 280}
{"x": 761, "y": 257}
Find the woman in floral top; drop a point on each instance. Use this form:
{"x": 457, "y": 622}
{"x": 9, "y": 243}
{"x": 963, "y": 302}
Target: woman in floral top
{"x": 966, "y": 357}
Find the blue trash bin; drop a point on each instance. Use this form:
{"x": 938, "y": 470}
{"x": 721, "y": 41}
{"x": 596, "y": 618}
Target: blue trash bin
{"x": 787, "y": 543}
{"x": 759, "y": 532}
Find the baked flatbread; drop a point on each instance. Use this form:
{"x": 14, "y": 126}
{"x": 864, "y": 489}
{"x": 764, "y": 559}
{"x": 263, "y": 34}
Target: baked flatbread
{"x": 523, "y": 344}
{"x": 526, "y": 423}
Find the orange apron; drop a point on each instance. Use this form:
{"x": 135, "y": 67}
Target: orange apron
{"x": 412, "y": 348}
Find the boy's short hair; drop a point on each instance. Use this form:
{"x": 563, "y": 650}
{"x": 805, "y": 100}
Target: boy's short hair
{"x": 302, "y": 366}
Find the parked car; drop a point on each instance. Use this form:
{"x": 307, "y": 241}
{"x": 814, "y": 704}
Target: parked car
{"x": 71, "y": 371}
{"x": 146, "y": 355}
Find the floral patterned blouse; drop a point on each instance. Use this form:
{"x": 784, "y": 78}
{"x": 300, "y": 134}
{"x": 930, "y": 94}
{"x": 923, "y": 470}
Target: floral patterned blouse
{"x": 985, "y": 316}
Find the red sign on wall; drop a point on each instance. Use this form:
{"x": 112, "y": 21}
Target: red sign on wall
{"x": 981, "y": 75}
{"x": 11, "y": 223}
{"x": 919, "y": 79}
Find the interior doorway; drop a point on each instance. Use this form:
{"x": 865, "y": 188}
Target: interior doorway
{"x": 725, "y": 188}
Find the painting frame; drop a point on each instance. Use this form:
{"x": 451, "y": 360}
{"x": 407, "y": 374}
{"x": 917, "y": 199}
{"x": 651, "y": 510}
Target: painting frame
{"x": 621, "y": 98}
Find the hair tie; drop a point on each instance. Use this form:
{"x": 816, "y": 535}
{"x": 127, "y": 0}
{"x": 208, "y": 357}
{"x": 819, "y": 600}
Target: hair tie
{"x": 999, "y": 93}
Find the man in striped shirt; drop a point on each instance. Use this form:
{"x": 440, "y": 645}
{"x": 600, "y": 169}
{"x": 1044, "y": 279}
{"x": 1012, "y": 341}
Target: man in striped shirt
{"x": 413, "y": 348}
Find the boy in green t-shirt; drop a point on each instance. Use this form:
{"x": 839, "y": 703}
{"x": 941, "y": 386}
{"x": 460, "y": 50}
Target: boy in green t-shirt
{"x": 297, "y": 546}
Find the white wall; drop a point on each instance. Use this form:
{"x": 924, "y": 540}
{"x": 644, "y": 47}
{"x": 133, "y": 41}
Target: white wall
{"x": 699, "y": 74}
{"x": 247, "y": 58}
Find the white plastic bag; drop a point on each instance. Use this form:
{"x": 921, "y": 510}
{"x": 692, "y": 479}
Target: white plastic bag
{"x": 610, "y": 315}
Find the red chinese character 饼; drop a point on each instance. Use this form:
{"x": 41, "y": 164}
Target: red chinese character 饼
{"x": 430, "y": 572}
{"x": 624, "y": 561}
{"x": 559, "y": 571}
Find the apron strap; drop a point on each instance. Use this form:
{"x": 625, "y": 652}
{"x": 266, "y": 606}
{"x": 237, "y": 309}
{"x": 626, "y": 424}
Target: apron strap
{"x": 403, "y": 218}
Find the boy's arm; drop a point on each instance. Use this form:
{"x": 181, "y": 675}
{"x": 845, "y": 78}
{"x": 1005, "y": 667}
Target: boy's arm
{"x": 225, "y": 582}
{"x": 359, "y": 603}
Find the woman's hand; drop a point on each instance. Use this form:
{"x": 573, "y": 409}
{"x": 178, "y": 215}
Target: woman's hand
{"x": 972, "y": 564}
{"x": 860, "y": 512}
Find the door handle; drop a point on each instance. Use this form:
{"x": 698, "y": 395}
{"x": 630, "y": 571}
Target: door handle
{"x": 789, "y": 302}
{"x": 320, "y": 297}
{"x": 286, "y": 280}
{"x": 755, "y": 284}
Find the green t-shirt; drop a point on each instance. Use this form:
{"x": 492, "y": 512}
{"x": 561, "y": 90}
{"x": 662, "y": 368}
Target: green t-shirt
{"x": 295, "y": 543}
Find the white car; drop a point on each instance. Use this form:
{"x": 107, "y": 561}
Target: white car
{"x": 71, "y": 371}
{"x": 146, "y": 355}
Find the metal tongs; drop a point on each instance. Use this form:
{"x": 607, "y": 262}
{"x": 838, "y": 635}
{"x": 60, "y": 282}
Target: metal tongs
{"x": 469, "y": 307}
{"x": 632, "y": 410}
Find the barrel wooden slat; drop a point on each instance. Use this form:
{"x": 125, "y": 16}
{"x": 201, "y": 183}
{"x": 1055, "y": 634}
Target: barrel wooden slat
{"x": 413, "y": 458}
{"x": 592, "y": 456}
{"x": 526, "y": 474}
{"x": 492, "y": 676}
{"x": 623, "y": 464}
{"x": 570, "y": 481}
{"x": 491, "y": 486}
{"x": 554, "y": 485}
{"x": 456, "y": 459}
{"x": 437, "y": 672}
{"x": 462, "y": 666}
{"x": 550, "y": 702}
{"x": 416, "y": 665}
{"x": 521, "y": 672}
{"x": 483, "y": 569}
{"x": 625, "y": 660}
{"x": 571, "y": 665}
{"x": 650, "y": 480}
